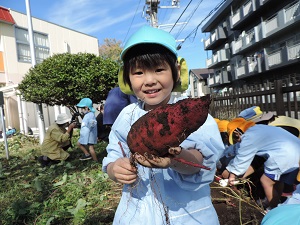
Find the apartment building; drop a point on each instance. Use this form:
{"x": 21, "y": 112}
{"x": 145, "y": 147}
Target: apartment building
{"x": 15, "y": 61}
{"x": 252, "y": 41}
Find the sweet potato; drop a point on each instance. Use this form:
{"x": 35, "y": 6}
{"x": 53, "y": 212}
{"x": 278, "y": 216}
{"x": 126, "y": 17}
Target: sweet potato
{"x": 167, "y": 126}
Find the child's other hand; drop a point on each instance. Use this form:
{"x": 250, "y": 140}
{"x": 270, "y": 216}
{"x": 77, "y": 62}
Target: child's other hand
{"x": 122, "y": 171}
{"x": 153, "y": 161}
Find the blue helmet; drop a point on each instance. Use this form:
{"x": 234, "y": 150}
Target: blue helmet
{"x": 86, "y": 102}
{"x": 151, "y": 35}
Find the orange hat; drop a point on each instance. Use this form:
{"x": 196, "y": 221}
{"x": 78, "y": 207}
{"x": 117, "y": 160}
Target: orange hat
{"x": 240, "y": 123}
{"x": 222, "y": 124}
{"x": 217, "y": 120}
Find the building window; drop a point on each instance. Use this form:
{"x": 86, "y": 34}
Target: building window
{"x": 195, "y": 84}
{"x": 41, "y": 46}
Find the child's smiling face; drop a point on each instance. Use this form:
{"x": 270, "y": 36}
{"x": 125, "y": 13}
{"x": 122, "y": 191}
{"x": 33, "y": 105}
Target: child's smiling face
{"x": 153, "y": 86}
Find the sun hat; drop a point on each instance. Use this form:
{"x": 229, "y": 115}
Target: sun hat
{"x": 222, "y": 125}
{"x": 285, "y": 121}
{"x": 263, "y": 117}
{"x": 62, "y": 118}
{"x": 250, "y": 113}
{"x": 86, "y": 102}
{"x": 240, "y": 123}
{"x": 151, "y": 35}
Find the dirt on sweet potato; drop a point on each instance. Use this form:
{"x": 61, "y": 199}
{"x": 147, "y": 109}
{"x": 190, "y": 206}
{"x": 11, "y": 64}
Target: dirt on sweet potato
{"x": 167, "y": 126}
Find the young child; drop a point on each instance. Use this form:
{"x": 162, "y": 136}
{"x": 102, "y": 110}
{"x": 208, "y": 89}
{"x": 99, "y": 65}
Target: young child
{"x": 161, "y": 190}
{"x": 279, "y": 148}
{"x": 88, "y": 130}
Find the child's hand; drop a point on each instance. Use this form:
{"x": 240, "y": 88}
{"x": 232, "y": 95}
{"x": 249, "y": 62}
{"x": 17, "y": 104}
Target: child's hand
{"x": 231, "y": 179}
{"x": 153, "y": 161}
{"x": 225, "y": 174}
{"x": 122, "y": 171}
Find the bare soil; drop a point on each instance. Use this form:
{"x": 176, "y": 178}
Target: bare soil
{"x": 235, "y": 206}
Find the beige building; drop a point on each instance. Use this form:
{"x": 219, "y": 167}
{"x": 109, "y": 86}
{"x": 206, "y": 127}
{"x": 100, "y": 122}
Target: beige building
{"x": 15, "y": 61}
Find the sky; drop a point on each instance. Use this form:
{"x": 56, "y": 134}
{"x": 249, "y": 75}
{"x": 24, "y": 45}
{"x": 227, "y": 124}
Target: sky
{"x": 118, "y": 19}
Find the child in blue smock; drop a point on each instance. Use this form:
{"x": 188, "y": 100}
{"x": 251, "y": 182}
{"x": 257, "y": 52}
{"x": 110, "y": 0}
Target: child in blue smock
{"x": 161, "y": 191}
{"x": 279, "y": 148}
{"x": 88, "y": 130}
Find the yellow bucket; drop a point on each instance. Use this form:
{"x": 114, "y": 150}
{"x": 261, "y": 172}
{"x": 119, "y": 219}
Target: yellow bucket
{"x": 298, "y": 176}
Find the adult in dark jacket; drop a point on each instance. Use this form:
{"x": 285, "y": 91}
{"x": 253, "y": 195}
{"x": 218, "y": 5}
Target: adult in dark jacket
{"x": 114, "y": 103}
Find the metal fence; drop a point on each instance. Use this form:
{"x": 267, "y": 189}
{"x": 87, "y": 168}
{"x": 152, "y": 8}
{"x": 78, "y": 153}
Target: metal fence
{"x": 282, "y": 97}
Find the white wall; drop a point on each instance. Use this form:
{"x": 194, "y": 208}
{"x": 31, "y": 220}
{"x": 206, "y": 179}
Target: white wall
{"x": 58, "y": 37}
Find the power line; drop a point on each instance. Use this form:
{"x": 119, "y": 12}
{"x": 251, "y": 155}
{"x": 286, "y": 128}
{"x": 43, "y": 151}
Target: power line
{"x": 132, "y": 21}
{"x": 164, "y": 15}
{"x": 196, "y": 29}
{"x": 181, "y": 15}
{"x": 190, "y": 17}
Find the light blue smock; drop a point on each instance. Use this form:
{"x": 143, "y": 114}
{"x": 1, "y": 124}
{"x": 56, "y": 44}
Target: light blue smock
{"x": 286, "y": 213}
{"x": 88, "y": 130}
{"x": 283, "y": 215}
{"x": 280, "y": 148}
{"x": 164, "y": 196}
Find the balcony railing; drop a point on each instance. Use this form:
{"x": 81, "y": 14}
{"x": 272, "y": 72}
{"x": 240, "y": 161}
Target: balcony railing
{"x": 209, "y": 62}
{"x": 247, "y": 8}
{"x": 250, "y": 37}
{"x": 246, "y": 40}
{"x": 293, "y": 51}
{"x": 211, "y": 81}
{"x": 218, "y": 57}
{"x": 240, "y": 71}
{"x": 217, "y": 79}
{"x": 271, "y": 24}
{"x": 236, "y": 17}
{"x": 207, "y": 42}
{"x": 218, "y": 35}
{"x": 237, "y": 45}
{"x": 275, "y": 58}
{"x": 252, "y": 67}
{"x": 242, "y": 13}
{"x": 213, "y": 37}
{"x": 292, "y": 12}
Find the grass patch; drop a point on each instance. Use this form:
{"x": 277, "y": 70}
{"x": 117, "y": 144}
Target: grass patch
{"x": 71, "y": 192}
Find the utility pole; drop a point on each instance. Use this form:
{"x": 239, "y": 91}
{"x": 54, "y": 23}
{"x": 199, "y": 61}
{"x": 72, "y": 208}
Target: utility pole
{"x": 41, "y": 123}
{"x": 152, "y": 6}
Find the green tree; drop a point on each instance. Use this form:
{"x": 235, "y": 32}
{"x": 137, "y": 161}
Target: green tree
{"x": 111, "y": 48}
{"x": 64, "y": 79}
